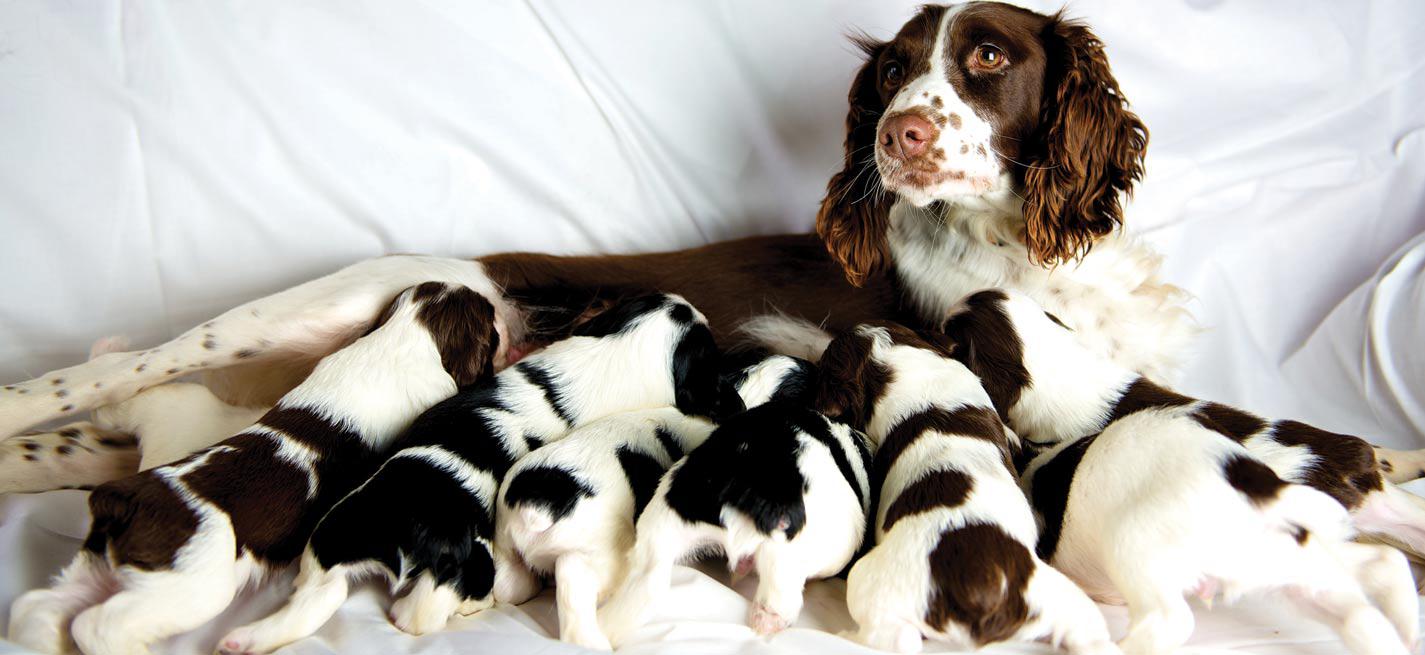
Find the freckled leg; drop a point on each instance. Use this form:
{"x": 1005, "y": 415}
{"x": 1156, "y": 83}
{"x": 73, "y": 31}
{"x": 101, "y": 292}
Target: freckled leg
{"x": 308, "y": 320}
{"x": 78, "y": 455}
{"x": 1401, "y": 466}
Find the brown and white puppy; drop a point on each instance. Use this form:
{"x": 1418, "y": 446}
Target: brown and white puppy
{"x": 1049, "y": 389}
{"x": 169, "y": 547}
{"x": 954, "y": 555}
{"x": 1150, "y": 495}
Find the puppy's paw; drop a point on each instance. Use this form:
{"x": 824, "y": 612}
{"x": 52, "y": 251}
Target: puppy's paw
{"x": 764, "y": 621}
{"x": 237, "y": 642}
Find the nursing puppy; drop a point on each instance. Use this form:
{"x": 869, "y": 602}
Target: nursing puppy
{"x": 426, "y": 518}
{"x": 569, "y": 508}
{"x": 779, "y": 488}
{"x": 169, "y": 547}
{"x": 954, "y": 555}
{"x": 1158, "y": 495}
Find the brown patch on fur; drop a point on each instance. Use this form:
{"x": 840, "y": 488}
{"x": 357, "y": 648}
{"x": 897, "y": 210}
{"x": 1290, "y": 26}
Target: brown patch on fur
{"x": 979, "y": 576}
{"x": 245, "y": 353}
{"x": 1252, "y": 478}
{"x": 936, "y": 102}
{"x": 1345, "y": 467}
{"x": 964, "y": 421}
{"x": 264, "y": 496}
{"x": 947, "y": 488}
{"x": 67, "y": 408}
{"x": 61, "y": 394}
{"x": 901, "y": 335}
{"x": 990, "y": 347}
{"x": 462, "y": 324}
{"x": 1231, "y": 422}
{"x": 850, "y": 380}
{"x": 140, "y": 368}
{"x": 964, "y": 148}
{"x": 1142, "y": 394}
{"x": 955, "y": 121}
{"x": 140, "y": 521}
{"x": 57, "y": 381}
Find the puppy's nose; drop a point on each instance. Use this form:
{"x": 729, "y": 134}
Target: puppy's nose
{"x": 906, "y": 136}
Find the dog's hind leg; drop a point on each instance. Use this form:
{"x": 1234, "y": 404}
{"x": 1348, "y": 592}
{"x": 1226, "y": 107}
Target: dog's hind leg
{"x": 1401, "y": 466}
{"x": 79, "y": 456}
{"x": 39, "y": 619}
{"x": 308, "y": 320}
{"x": 317, "y": 595}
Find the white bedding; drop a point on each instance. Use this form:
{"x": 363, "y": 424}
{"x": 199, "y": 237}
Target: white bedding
{"x": 163, "y": 161}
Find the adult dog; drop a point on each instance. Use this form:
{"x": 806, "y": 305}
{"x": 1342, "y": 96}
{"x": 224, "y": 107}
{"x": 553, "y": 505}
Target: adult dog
{"x": 986, "y": 145}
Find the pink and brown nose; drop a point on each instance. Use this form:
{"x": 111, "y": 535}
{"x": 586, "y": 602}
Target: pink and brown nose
{"x": 907, "y": 136}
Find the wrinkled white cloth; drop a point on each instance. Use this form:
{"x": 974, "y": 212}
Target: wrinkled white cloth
{"x": 161, "y": 162}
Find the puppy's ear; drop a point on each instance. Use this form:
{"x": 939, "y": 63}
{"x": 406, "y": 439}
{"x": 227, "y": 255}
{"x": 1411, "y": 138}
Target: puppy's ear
{"x": 1093, "y": 149}
{"x": 462, "y": 324}
{"x": 697, "y": 386}
{"x": 842, "y": 379}
{"x": 855, "y": 213}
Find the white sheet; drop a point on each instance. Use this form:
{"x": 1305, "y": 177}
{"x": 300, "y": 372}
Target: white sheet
{"x": 162, "y": 161}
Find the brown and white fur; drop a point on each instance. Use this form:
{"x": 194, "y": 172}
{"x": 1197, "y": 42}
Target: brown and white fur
{"x": 168, "y": 548}
{"x": 1060, "y": 148}
{"x": 954, "y": 555}
{"x": 1149, "y": 496}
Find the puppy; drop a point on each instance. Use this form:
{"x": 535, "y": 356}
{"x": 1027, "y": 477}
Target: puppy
{"x": 427, "y": 516}
{"x": 954, "y": 555}
{"x": 1161, "y": 497}
{"x": 568, "y": 508}
{"x": 778, "y": 487}
{"x": 169, "y": 547}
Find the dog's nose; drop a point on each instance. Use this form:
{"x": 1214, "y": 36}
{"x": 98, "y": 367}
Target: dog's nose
{"x": 906, "y": 136}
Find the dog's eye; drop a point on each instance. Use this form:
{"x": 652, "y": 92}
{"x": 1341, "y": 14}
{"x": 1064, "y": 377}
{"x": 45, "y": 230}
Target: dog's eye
{"x": 988, "y": 57}
{"x": 892, "y": 74}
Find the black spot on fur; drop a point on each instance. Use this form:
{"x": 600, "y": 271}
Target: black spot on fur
{"x": 63, "y": 450}
{"x": 140, "y": 368}
{"x": 246, "y": 353}
{"x": 171, "y": 371}
{"x": 61, "y": 394}
{"x": 669, "y": 443}
{"x": 67, "y": 408}
{"x": 555, "y": 489}
{"x": 30, "y": 445}
{"x": 643, "y": 473}
{"x": 542, "y": 378}
{"x": 696, "y": 384}
{"x": 210, "y": 342}
{"x": 31, "y": 458}
{"x": 71, "y": 433}
{"x": 1049, "y": 493}
{"x": 57, "y": 381}
{"x": 1252, "y": 478}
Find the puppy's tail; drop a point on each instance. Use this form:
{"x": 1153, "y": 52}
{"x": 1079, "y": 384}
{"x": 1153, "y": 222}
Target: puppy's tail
{"x": 535, "y": 519}
{"x": 786, "y": 335}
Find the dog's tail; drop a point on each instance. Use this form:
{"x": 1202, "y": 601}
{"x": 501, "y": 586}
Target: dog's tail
{"x": 786, "y": 335}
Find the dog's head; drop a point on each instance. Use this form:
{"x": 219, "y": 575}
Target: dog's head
{"x": 975, "y": 99}
{"x": 657, "y": 322}
{"x": 463, "y": 325}
{"x": 858, "y": 367}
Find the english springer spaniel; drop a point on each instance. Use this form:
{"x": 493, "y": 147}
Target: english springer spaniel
{"x": 984, "y": 143}
{"x": 168, "y": 548}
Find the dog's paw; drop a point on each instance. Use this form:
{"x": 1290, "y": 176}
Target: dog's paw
{"x": 764, "y": 621}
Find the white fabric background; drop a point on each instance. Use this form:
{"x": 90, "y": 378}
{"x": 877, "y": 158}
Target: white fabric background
{"x": 163, "y": 161}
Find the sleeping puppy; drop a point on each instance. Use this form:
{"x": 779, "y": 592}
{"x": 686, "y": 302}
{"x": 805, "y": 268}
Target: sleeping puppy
{"x": 779, "y": 487}
{"x": 1165, "y": 500}
{"x": 569, "y": 508}
{"x": 169, "y": 547}
{"x": 426, "y": 518}
{"x": 954, "y": 555}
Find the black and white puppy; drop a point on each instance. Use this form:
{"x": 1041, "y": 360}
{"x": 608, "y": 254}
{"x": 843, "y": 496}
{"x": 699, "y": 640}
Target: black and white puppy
{"x": 1163, "y": 498}
{"x": 569, "y": 508}
{"x": 954, "y": 555}
{"x": 169, "y": 547}
{"x": 426, "y": 518}
{"x": 779, "y": 486}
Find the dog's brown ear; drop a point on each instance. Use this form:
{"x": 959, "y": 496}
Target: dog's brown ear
{"x": 855, "y": 213}
{"x": 848, "y": 380}
{"x": 1093, "y": 149}
{"x": 462, "y": 324}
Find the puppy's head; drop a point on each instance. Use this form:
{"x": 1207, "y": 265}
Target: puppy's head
{"x": 668, "y": 322}
{"x": 858, "y": 366}
{"x": 977, "y": 99}
{"x": 1009, "y": 341}
{"x": 463, "y": 324}
{"x": 760, "y": 378}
